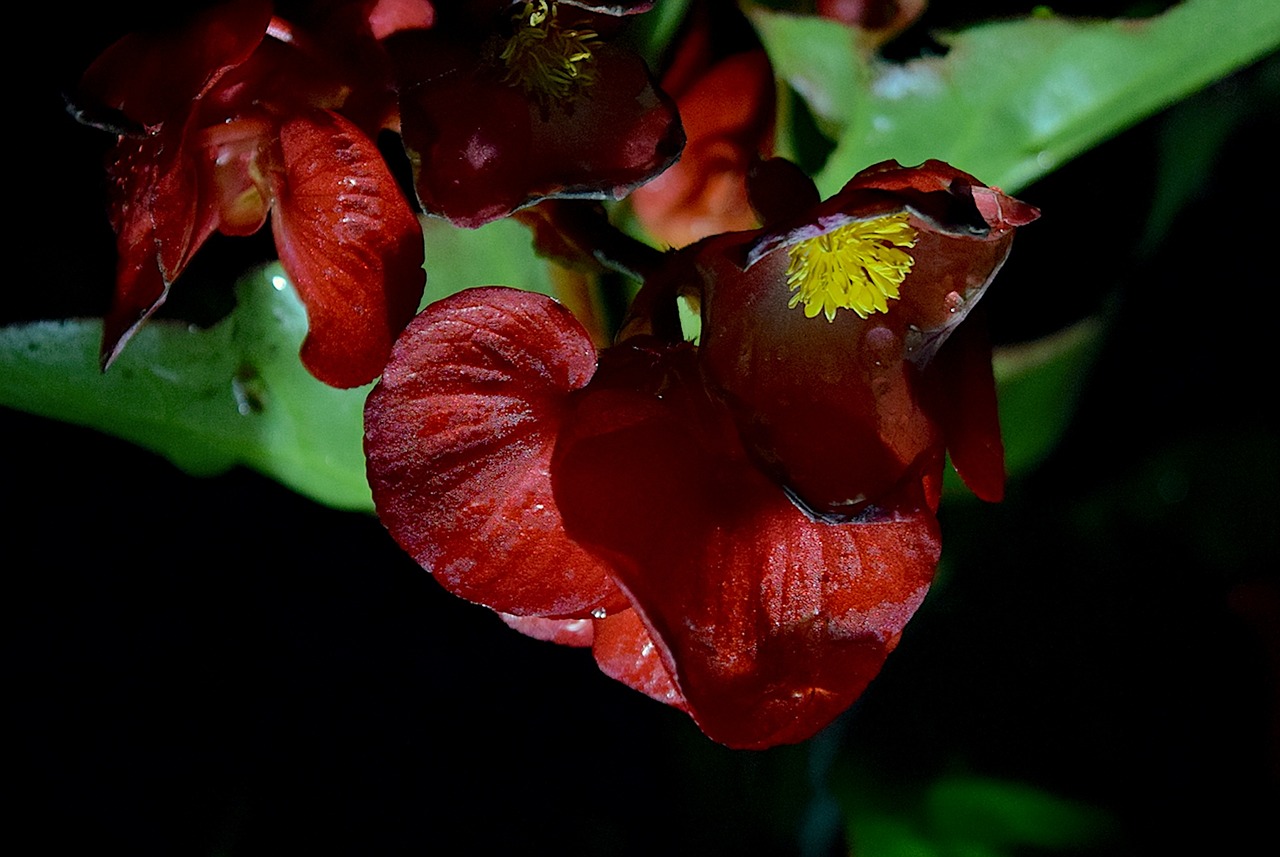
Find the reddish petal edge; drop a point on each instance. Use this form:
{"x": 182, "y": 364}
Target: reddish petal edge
{"x": 350, "y": 243}
{"x": 962, "y": 389}
{"x": 459, "y": 435}
{"x": 565, "y": 632}
{"x": 625, "y": 651}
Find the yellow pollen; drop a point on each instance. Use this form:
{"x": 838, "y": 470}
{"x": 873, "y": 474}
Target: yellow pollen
{"x": 858, "y": 266}
{"x": 549, "y": 62}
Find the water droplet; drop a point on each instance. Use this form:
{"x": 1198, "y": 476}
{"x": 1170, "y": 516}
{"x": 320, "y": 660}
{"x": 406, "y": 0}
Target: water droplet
{"x": 599, "y": 613}
{"x": 953, "y": 301}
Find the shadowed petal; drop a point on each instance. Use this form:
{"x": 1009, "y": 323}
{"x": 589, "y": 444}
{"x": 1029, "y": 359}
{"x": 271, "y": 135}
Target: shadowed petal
{"x": 350, "y": 243}
{"x": 772, "y": 622}
{"x": 459, "y": 435}
{"x": 483, "y": 149}
{"x": 156, "y": 77}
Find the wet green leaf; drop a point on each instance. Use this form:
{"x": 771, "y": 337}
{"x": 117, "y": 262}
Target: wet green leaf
{"x": 205, "y": 399}
{"x": 497, "y": 254}
{"x": 1012, "y": 100}
{"x": 237, "y": 394}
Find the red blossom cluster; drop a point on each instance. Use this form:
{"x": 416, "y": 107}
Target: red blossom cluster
{"x": 740, "y": 526}
{"x": 250, "y": 110}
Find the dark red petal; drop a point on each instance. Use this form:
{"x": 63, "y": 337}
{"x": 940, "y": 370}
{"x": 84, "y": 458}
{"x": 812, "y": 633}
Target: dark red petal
{"x": 483, "y": 149}
{"x": 806, "y": 391}
{"x": 950, "y": 275}
{"x": 161, "y": 216}
{"x": 829, "y": 408}
{"x": 459, "y": 435}
{"x": 773, "y": 622}
{"x": 780, "y": 190}
{"x": 963, "y": 391}
{"x": 140, "y": 290}
{"x": 349, "y": 242}
{"x": 565, "y": 632}
{"x": 626, "y": 652}
{"x": 156, "y": 77}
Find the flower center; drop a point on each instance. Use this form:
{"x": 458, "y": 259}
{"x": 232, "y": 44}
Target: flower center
{"x": 858, "y": 266}
{"x": 548, "y": 61}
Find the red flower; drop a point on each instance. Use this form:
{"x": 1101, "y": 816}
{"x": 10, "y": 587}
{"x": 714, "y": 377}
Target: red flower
{"x": 657, "y": 504}
{"x": 242, "y": 114}
{"x": 507, "y": 103}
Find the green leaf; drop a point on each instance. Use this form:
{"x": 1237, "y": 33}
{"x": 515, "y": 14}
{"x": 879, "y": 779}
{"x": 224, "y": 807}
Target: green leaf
{"x": 1013, "y": 100}
{"x": 497, "y": 254}
{"x": 650, "y": 34}
{"x": 999, "y": 815}
{"x": 1038, "y": 385}
{"x": 237, "y": 394}
{"x": 205, "y": 399}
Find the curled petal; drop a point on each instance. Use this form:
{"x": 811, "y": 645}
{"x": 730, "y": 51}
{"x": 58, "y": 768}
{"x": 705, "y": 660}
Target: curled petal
{"x": 771, "y": 623}
{"x": 161, "y": 214}
{"x": 351, "y": 244}
{"x": 459, "y": 435}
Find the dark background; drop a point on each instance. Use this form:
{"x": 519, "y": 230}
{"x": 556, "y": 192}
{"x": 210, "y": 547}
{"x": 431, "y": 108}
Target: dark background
{"x": 218, "y": 666}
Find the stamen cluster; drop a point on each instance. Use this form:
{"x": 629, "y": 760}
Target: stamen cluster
{"x": 858, "y": 266}
{"x": 549, "y": 62}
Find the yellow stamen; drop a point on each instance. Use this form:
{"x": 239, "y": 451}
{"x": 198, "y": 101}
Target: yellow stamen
{"x": 549, "y": 62}
{"x": 858, "y": 266}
